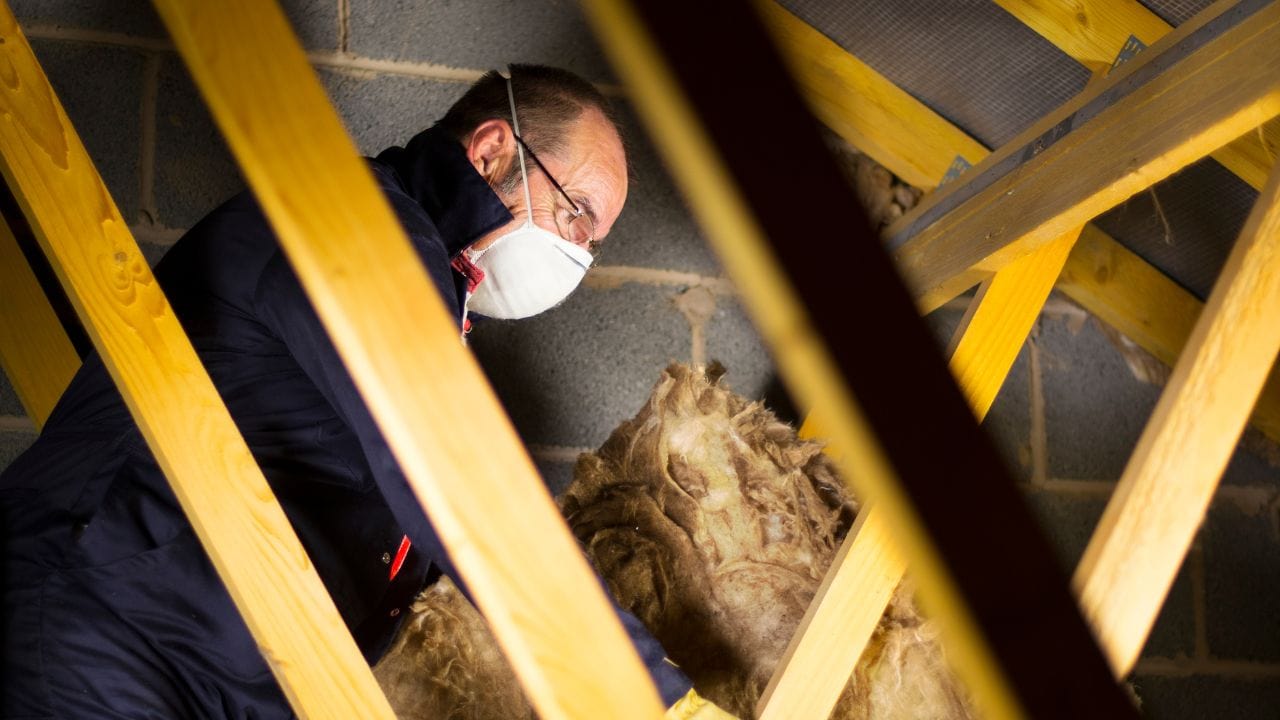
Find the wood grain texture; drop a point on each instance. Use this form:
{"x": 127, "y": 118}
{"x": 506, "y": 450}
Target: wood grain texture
{"x": 826, "y": 73}
{"x": 1091, "y": 31}
{"x": 1108, "y": 280}
{"x": 856, "y": 590}
{"x": 1122, "y": 290}
{"x": 172, "y": 399}
{"x": 838, "y": 624}
{"x": 1103, "y": 276}
{"x": 1004, "y": 311}
{"x": 446, "y": 428}
{"x": 35, "y": 352}
{"x": 1151, "y": 311}
{"x": 1149, "y": 524}
{"x": 1252, "y": 156}
{"x": 799, "y": 351}
{"x": 1203, "y": 101}
{"x": 1094, "y": 31}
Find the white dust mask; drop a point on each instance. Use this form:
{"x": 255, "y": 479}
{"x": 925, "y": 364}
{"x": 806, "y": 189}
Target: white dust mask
{"x": 527, "y": 271}
{"x": 530, "y": 269}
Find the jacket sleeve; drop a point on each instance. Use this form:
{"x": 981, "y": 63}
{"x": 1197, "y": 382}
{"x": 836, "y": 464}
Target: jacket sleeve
{"x": 284, "y": 308}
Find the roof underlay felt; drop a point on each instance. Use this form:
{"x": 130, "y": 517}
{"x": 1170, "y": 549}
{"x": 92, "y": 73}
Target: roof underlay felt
{"x": 993, "y": 77}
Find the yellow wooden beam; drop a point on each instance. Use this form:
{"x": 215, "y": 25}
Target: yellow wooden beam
{"x": 1002, "y": 315}
{"x": 700, "y": 162}
{"x": 1252, "y": 155}
{"x": 1122, "y": 290}
{"x": 1091, "y": 31}
{"x": 1095, "y": 31}
{"x": 1102, "y": 275}
{"x": 852, "y": 598}
{"x": 1211, "y": 93}
{"x": 172, "y": 399}
{"x": 1149, "y": 523}
{"x": 387, "y": 322}
{"x": 1112, "y": 282}
{"x": 35, "y": 352}
{"x": 840, "y": 620}
{"x": 847, "y": 607}
{"x": 861, "y": 106}
{"x": 1147, "y": 309}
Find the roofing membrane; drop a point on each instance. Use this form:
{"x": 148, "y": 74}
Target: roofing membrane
{"x": 992, "y": 76}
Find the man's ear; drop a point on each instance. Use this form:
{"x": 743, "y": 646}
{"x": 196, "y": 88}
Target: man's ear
{"x": 490, "y": 148}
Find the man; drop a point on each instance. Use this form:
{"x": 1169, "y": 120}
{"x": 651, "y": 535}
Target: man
{"x": 110, "y": 606}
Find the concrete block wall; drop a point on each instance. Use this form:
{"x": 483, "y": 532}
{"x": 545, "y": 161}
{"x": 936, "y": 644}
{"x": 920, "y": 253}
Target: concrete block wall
{"x": 1066, "y": 420}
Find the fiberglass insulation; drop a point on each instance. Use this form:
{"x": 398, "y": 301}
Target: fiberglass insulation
{"x": 713, "y": 523}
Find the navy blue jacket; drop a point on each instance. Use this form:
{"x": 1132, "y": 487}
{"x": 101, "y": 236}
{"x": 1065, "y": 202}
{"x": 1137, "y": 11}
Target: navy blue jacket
{"x": 88, "y": 493}
{"x": 107, "y": 598}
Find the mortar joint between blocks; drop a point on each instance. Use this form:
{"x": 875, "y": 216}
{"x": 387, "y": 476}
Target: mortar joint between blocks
{"x": 344, "y": 26}
{"x": 148, "y": 213}
{"x": 1038, "y": 431}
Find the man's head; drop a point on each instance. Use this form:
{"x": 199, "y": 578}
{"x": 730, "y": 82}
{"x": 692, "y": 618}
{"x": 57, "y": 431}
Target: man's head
{"x": 566, "y": 122}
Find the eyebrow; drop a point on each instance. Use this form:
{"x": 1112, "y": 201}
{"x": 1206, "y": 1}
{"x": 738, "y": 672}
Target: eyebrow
{"x": 585, "y": 203}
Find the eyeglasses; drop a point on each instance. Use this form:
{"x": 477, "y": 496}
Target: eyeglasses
{"x": 577, "y": 226}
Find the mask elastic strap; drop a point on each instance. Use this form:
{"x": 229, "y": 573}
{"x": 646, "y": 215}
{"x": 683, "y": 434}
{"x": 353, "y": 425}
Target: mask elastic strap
{"x": 515, "y": 127}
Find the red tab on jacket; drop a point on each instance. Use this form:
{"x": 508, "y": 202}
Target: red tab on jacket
{"x": 400, "y": 555}
{"x": 468, "y": 270}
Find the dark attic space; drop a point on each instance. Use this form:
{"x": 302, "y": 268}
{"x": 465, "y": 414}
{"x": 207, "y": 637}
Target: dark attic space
{"x": 1061, "y": 184}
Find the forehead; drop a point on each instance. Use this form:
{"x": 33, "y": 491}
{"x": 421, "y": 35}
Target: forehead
{"x": 597, "y": 166}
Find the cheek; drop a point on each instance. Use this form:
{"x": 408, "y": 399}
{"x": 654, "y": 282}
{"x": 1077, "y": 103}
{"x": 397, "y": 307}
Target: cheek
{"x": 545, "y": 218}
{"x": 487, "y": 239}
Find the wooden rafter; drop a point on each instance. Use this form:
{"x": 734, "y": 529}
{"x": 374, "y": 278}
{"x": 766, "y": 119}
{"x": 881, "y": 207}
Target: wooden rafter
{"x": 864, "y": 574}
{"x": 863, "y": 107}
{"x": 1201, "y": 87}
{"x": 157, "y": 371}
{"x": 834, "y": 631}
{"x": 1091, "y": 31}
{"x": 739, "y": 211}
{"x": 35, "y": 352}
{"x": 386, "y": 319}
{"x": 1095, "y": 32}
{"x": 1110, "y": 281}
{"x": 1139, "y": 301}
{"x": 1103, "y": 276}
{"x": 837, "y": 627}
{"x": 1153, "y": 515}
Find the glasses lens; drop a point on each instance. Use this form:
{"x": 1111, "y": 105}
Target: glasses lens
{"x": 580, "y": 231}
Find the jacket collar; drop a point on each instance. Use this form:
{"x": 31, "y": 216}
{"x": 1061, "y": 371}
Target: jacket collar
{"x": 433, "y": 170}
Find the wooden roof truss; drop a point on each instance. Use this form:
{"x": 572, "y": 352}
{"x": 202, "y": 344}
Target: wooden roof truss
{"x": 1016, "y": 224}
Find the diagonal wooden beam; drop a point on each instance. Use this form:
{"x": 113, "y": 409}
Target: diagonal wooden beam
{"x": 863, "y": 107}
{"x": 1097, "y": 32}
{"x": 865, "y": 572}
{"x": 1102, "y": 275}
{"x": 841, "y": 619}
{"x": 1001, "y": 316}
{"x": 847, "y": 607}
{"x": 1128, "y": 294}
{"x": 35, "y": 352}
{"x": 1148, "y": 525}
{"x": 1091, "y": 31}
{"x": 1202, "y": 86}
{"x": 386, "y": 319}
{"x": 691, "y": 107}
{"x": 172, "y": 398}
